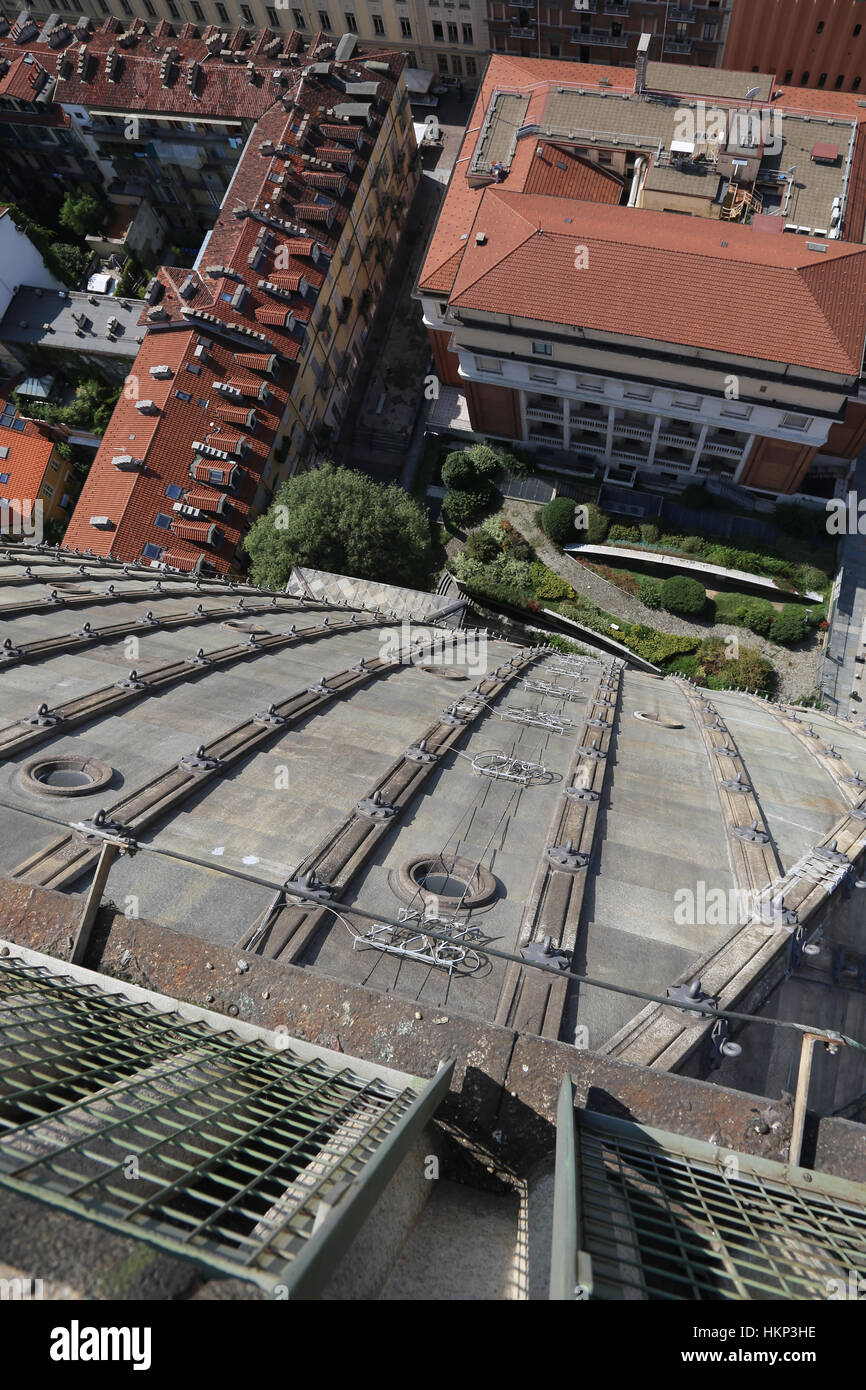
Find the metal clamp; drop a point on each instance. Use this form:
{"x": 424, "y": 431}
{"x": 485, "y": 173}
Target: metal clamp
{"x": 579, "y": 793}
{"x": 691, "y": 994}
{"x": 199, "y": 659}
{"x": 8, "y": 653}
{"x": 270, "y": 718}
{"x": 593, "y": 752}
{"x": 199, "y": 761}
{"x": 751, "y": 833}
{"x": 130, "y": 682}
{"x": 420, "y": 753}
{"x": 147, "y": 621}
{"x": 566, "y": 858}
{"x": 545, "y": 953}
{"x": 321, "y": 689}
{"x": 42, "y": 719}
{"x": 736, "y": 784}
{"x": 99, "y": 827}
{"x": 374, "y": 808}
{"x": 310, "y": 885}
{"x": 718, "y": 1046}
{"x": 831, "y": 854}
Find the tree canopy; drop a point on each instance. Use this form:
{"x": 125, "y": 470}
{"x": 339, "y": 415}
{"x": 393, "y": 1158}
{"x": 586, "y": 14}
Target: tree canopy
{"x": 339, "y": 520}
{"x": 82, "y": 214}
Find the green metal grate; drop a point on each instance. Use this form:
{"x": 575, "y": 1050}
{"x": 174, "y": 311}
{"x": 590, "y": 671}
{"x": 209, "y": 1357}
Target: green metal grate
{"x": 223, "y": 1145}
{"x": 644, "y": 1214}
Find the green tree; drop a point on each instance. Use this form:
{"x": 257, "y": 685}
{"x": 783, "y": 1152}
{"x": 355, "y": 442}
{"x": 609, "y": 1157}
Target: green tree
{"x": 462, "y": 508}
{"x": 791, "y": 625}
{"x": 557, "y": 520}
{"x": 82, "y": 214}
{"x": 683, "y": 595}
{"x": 65, "y": 261}
{"x": 457, "y": 471}
{"x": 339, "y": 520}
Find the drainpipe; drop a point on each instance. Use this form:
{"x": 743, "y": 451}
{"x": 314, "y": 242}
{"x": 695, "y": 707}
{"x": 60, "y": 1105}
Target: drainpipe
{"x": 639, "y": 166}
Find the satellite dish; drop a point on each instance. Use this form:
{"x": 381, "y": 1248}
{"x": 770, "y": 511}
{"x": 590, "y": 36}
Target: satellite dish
{"x": 752, "y": 93}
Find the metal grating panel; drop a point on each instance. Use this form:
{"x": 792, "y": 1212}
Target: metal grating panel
{"x": 644, "y": 1214}
{"x": 250, "y": 1152}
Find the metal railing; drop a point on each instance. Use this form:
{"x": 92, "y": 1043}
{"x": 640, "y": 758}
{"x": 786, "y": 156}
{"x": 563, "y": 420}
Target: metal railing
{"x": 641, "y": 1213}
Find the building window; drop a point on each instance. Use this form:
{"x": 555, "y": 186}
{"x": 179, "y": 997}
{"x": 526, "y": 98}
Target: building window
{"x": 438, "y": 33}
{"x": 822, "y": 79}
{"x": 47, "y": 490}
{"x": 4, "y": 477}
{"x": 150, "y": 9}
{"x": 406, "y": 28}
{"x": 687, "y": 402}
{"x": 542, "y": 374}
{"x": 378, "y": 24}
{"x": 553, "y": 50}
{"x": 198, "y": 12}
{"x": 638, "y": 393}
{"x": 441, "y": 61}
{"x": 796, "y": 422}
{"x": 151, "y": 551}
{"x": 174, "y": 492}
{"x": 804, "y": 80}
{"x": 857, "y": 28}
{"x": 739, "y": 412}
{"x": 820, "y": 28}
{"x": 471, "y": 69}
{"x": 452, "y": 33}
{"x": 223, "y": 14}
{"x": 325, "y": 20}
{"x": 788, "y": 75}
{"x": 542, "y": 349}
{"x": 467, "y": 34}
{"x": 300, "y": 21}
{"x": 456, "y": 65}
{"x": 855, "y": 85}
{"x": 488, "y": 364}
{"x": 173, "y": 10}
{"x": 351, "y": 22}
{"x": 162, "y": 521}
{"x": 839, "y": 80}
{"x": 246, "y": 14}
{"x": 710, "y": 31}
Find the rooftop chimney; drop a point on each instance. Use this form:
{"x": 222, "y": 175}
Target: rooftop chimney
{"x": 640, "y": 62}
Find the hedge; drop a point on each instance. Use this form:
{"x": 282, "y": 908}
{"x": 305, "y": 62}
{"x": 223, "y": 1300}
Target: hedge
{"x": 680, "y": 594}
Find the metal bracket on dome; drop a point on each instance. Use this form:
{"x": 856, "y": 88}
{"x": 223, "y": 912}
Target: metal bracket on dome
{"x": 270, "y": 718}
{"x": 691, "y": 994}
{"x": 85, "y": 633}
{"x": 199, "y": 659}
{"x": 374, "y": 808}
{"x": 150, "y": 621}
{"x": 8, "y": 653}
{"x": 592, "y": 751}
{"x": 855, "y": 780}
{"x": 800, "y": 947}
{"x": 360, "y": 665}
{"x": 751, "y": 833}
{"x": 596, "y": 723}
{"x": 831, "y": 854}
{"x": 776, "y": 914}
{"x": 42, "y": 719}
{"x": 99, "y": 827}
{"x": 579, "y": 793}
{"x": 718, "y": 1045}
{"x": 199, "y": 761}
{"x": 309, "y": 886}
{"x": 830, "y": 751}
{"x": 810, "y": 733}
{"x": 726, "y": 751}
{"x": 54, "y": 597}
{"x": 420, "y": 753}
{"x": 717, "y": 726}
{"x": 566, "y": 858}
{"x": 736, "y": 784}
{"x": 131, "y": 682}
{"x": 450, "y": 720}
{"x": 857, "y": 813}
{"x": 545, "y": 953}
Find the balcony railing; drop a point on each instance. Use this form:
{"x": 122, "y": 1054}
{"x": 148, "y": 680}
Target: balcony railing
{"x": 539, "y": 437}
{"x": 678, "y": 15}
{"x": 678, "y": 465}
{"x": 633, "y": 431}
{"x": 728, "y": 451}
{"x": 592, "y": 422}
{"x": 539, "y": 412}
{"x": 614, "y": 7}
{"x": 522, "y": 31}
{"x": 678, "y": 45}
{"x": 600, "y": 36}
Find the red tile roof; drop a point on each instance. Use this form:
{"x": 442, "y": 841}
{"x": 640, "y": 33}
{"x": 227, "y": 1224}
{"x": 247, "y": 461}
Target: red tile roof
{"x": 26, "y": 462}
{"x": 563, "y": 174}
{"x": 649, "y": 275}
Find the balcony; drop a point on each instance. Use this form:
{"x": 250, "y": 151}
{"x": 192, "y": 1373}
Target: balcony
{"x": 522, "y": 31}
{"x": 546, "y": 434}
{"x": 600, "y": 36}
{"x": 633, "y": 431}
{"x": 679, "y": 441}
{"x": 586, "y": 420}
{"x": 540, "y": 412}
{"x": 714, "y": 445}
{"x": 678, "y": 465}
{"x": 617, "y": 7}
{"x": 678, "y": 15}
{"x": 678, "y": 45}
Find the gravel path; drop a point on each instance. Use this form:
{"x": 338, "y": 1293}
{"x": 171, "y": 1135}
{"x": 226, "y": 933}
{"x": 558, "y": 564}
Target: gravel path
{"x": 798, "y": 669}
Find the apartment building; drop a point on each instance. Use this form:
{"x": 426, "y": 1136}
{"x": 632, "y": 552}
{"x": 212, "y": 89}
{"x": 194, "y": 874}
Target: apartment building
{"x": 33, "y": 471}
{"x": 247, "y": 360}
{"x": 645, "y": 306}
{"x": 446, "y": 36}
{"x": 807, "y": 43}
{"x": 608, "y": 31}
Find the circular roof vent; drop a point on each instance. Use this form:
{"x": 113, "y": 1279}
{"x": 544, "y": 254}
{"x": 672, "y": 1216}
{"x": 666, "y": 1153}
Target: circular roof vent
{"x": 448, "y": 673}
{"x": 662, "y": 720}
{"x": 60, "y": 774}
{"x": 446, "y": 878}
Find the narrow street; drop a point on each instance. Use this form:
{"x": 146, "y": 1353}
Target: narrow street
{"x": 842, "y": 674}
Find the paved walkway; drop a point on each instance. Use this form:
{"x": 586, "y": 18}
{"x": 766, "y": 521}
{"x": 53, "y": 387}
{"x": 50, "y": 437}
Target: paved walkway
{"x": 841, "y": 673}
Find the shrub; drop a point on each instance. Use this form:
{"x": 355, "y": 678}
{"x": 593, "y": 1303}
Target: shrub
{"x": 592, "y": 524}
{"x": 756, "y": 614}
{"x": 483, "y": 459}
{"x": 581, "y": 610}
{"x": 516, "y": 464}
{"x": 654, "y": 646}
{"x": 679, "y": 594}
{"x": 649, "y": 531}
{"x": 480, "y": 545}
{"x": 457, "y": 471}
{"x": 791, "y": 625}
{"x": 546, "y": 584}
{"x": 623, "y": 533}
{"x": 557, "y": 520}
{"x": 513, "y": 543}
{"x": 513, "y": 574}
{"x": 691, "y": 545}
{"x": 671, "y": 541}
{"x": 649, "y": 591}
{"x": 462, "y": 509}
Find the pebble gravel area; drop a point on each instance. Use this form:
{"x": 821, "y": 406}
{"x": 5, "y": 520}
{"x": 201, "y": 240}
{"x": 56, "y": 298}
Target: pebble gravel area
{"x": 798, "y": 668}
